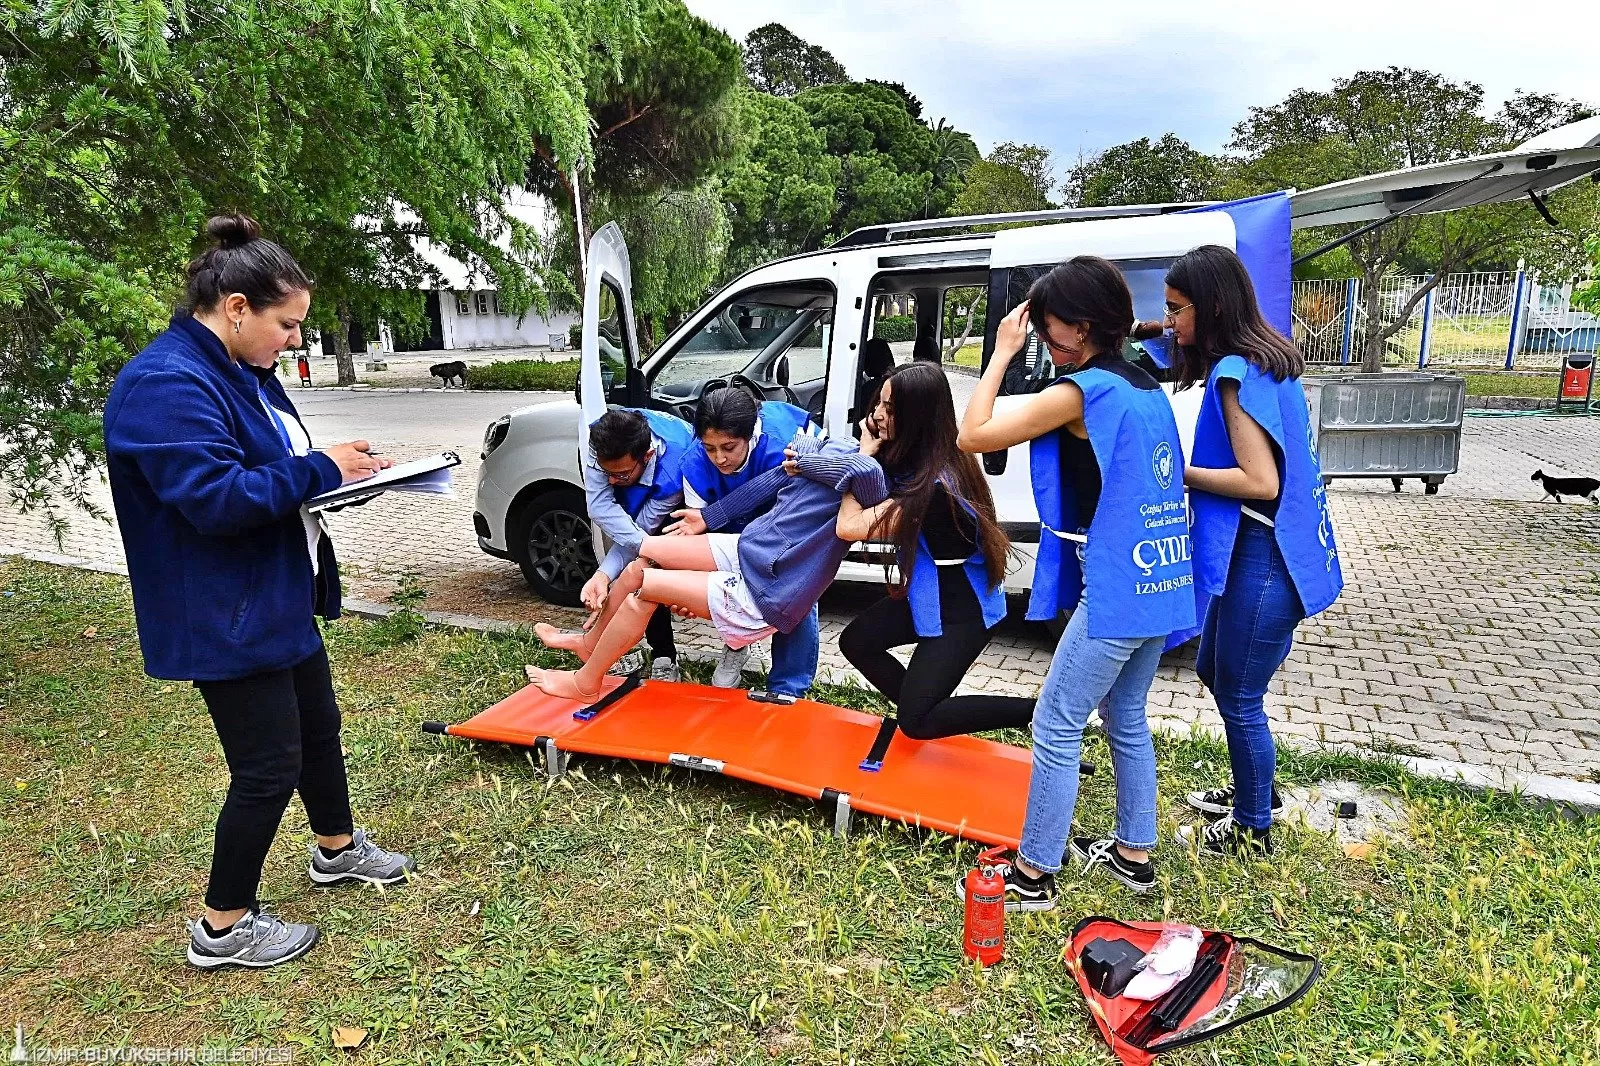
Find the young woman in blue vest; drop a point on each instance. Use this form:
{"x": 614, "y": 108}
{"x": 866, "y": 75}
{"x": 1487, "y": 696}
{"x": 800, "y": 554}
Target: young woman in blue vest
{"x": 210, "y": 469}
{"x": 1264, "y": 551}
{"x": 950, "y": 592}
{"x": 1114, "y": 549}
{"x": 633, "y": 477}
{"x": 740, "y": 440}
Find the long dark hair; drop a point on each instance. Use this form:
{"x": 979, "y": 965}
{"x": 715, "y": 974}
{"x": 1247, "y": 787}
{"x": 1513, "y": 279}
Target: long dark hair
{"x": 1085, "y": 290}
{"x": 1227, "y": 319}
{"x": 241, "y": 260}
{"x": 922, "y": 454}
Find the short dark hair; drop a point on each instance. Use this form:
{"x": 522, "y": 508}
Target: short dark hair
{"x": 1088, "y": 291}
{"x": 618, "y": 433}
{"x": 1227, "y": 319}
{"x": 727, "y": 410}
{"x": 241, "y": 260}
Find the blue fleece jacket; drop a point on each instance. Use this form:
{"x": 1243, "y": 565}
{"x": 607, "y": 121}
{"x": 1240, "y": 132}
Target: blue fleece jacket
{"x": 790, "y": 551}
{"x": 208, "y": 498}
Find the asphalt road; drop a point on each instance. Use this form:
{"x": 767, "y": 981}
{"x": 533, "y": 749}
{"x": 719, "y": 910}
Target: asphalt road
{"x": 409, "y": 424}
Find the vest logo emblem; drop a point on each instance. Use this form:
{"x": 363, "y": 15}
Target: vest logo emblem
{"x": 1161, "y": 463}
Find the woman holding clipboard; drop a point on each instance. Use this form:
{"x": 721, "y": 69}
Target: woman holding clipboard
{"x": 210, "y": 471}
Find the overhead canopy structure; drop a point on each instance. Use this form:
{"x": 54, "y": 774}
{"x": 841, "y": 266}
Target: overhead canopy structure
{"x": 971, "y": 788}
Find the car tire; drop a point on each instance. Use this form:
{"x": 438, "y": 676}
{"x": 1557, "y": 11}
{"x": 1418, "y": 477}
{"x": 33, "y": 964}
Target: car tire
{"x": 554, "y": 546}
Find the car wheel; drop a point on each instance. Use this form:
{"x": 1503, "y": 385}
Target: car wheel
{"x": 557, "y": 550}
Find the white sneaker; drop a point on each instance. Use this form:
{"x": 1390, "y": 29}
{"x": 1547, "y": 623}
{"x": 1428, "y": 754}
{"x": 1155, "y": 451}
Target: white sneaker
{"x": 730, "y": 667}
{"x": 665, "y": 669}
{"x": 630, "y": 663}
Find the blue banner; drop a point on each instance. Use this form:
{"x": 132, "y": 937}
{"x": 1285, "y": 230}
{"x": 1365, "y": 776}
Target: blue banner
{"x": 1261, "y": 225}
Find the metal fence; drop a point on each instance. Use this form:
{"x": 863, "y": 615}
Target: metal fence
{"x": 1491, "y": 320}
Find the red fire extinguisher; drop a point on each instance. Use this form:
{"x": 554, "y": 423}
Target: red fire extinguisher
{"x": 983, "y": 935}
{"x": 303, "y": 364}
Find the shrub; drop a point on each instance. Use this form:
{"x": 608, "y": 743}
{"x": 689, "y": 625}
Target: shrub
{"x": 896, "y": 328}
{"x": 525, "y": 375}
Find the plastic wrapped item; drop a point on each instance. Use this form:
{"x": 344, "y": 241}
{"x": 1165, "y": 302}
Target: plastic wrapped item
{"x": 1165, "y": 964}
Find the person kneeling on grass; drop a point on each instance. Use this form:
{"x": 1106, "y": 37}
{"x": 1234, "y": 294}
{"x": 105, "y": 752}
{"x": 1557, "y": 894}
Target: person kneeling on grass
{"x": 750, "y": 585}
{"x": 739, "y": 441}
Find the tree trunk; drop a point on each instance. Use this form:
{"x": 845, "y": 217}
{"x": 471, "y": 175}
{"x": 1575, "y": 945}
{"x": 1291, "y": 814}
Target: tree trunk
{"x": 966, "y": 331}
{"x": 1372, "y": 341}
{"x": 339, "y": 337}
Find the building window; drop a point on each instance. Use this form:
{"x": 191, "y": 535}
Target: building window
{"x": 483, "y": 303}
{"x": 463, "y": 305}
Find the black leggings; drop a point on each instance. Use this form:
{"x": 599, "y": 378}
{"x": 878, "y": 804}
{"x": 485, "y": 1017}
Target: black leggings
{"x": 280, "y": 735}
{"x": 921, "y": 694}
{"x": 658, "y": 634}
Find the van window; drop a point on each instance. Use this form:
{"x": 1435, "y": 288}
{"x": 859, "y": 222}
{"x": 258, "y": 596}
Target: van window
{"x": 616, "y": 354}
{"x": 764, "y": 334}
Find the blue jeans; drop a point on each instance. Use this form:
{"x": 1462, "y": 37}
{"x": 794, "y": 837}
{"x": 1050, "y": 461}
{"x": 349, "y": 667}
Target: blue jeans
{"x": 1113, "y": 674}
{"x": 794, "y": 658}
{"x": 1247, "y": 635}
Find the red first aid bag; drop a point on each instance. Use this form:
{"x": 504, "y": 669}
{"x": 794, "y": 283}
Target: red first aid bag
{"x": 1235, "y": 980}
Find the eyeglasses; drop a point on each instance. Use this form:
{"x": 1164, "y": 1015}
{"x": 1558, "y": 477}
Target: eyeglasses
{"x": 1174, "y": 312}
{"x": 618, "y": 479}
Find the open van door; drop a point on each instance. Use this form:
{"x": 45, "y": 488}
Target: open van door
{"x": 609, "y": 360}
{"x": 1548, "y": 161}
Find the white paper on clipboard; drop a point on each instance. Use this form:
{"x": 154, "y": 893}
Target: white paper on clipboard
{"x": 430, "y": 475}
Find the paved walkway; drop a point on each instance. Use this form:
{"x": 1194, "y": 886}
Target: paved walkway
{"x": 1467, "y": 630}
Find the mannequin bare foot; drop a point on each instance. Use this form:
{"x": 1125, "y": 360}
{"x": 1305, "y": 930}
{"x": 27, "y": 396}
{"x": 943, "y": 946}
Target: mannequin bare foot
{"x": 555, "y": 638}
{"x": 563, "y": 684}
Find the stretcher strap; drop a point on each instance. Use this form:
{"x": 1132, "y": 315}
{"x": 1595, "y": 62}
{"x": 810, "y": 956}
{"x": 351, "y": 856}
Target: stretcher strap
{"x": 634, "y": 680}
{"x": 880, "y": 745}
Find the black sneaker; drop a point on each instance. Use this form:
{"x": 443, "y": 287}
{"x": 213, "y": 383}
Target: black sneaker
{"x": 1225, "y": 837}
{"x": 1139, "y": 876}
{"x": 1219, "y": 801}
{"x": 1023, "y": 893}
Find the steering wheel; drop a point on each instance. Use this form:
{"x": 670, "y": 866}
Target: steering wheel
{"x": 760, "y": 394}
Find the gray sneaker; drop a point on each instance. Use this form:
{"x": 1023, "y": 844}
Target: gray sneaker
{"x": 730, "y": 667}
{"x": 664, "y": 669}
{"x": 630, "y": 663}
{"x": 256, "y": 941}
{"x": 364, "y": 861}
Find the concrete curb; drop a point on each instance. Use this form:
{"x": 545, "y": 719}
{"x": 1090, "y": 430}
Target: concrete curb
{"x": 1580, "y": 796}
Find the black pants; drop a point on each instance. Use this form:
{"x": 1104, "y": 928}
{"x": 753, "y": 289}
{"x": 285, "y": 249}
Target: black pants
{"x": 280, "y": 734}
{"x": 922, "y": 693}
{"x": 658, "y": 634}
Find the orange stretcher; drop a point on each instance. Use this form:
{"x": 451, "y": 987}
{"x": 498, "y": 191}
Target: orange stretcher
{"x": 850, "y": 761}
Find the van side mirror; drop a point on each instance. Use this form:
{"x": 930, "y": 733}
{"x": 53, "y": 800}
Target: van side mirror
{"x": 994, "y": 463}
{"x": 780, "y": 372}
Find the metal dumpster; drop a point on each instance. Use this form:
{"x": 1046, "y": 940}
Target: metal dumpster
{"x": 1388, "y": 425}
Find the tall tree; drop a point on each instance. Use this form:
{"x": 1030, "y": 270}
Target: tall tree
{"x": 780, "y": 194}
{"x": 348, "y": 129}
{"x": 1015, "y": 177}
{"x": 1143, "y": 171}
{"x": 1384, "y": 120}
{"x": 778, "y": 62}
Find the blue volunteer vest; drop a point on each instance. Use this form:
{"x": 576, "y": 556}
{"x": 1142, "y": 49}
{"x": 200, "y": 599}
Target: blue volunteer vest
{"x": 1303, "y": 529}
{"x": 1135, "y": 578}
{"x": 678, "y": 438}
{"x": 779, "y": 423}
{"x": 927, "y": 613}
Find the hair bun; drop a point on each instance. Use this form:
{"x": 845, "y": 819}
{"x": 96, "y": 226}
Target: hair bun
{"x": 233, "y": 231}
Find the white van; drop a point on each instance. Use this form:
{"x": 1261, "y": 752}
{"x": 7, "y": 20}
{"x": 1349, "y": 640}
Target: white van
{"x": 794, "y": 330}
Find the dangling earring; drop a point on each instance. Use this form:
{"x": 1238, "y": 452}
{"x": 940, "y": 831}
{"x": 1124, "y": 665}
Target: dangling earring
{"x": 236, "y": 325}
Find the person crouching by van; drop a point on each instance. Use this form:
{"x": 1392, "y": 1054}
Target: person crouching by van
{"x": 633, "y": 477}
{"x": 210, "y": 469}
{"x": 741, "y": 440}
{"x": 1114, "y": 550}
{"x": 1264, "y": 553}
{"x": 950, "y": 560}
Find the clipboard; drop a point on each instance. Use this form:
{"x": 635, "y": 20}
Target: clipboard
{"x": 430, "y": 475}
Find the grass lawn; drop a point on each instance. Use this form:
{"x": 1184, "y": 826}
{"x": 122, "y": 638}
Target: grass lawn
{"x": 1541, "y": 385}
{"x": 638, "y": 914}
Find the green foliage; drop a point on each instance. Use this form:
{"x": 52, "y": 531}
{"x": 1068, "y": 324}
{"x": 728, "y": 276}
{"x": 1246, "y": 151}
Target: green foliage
{"x": 1015, "y": 177}
{"x": 348, "y": 129}
{"x": 1587, "y": 297}
{"x": 896, "y": 328}
{"x": 524, "y": 375}
{"x": 780, "y": 193}
{"x": 778, "y": 62}
{"x": 1164, "y": 171}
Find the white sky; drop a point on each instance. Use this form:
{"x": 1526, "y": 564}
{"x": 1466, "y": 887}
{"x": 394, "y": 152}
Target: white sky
{"x": 1079, "y": 77}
